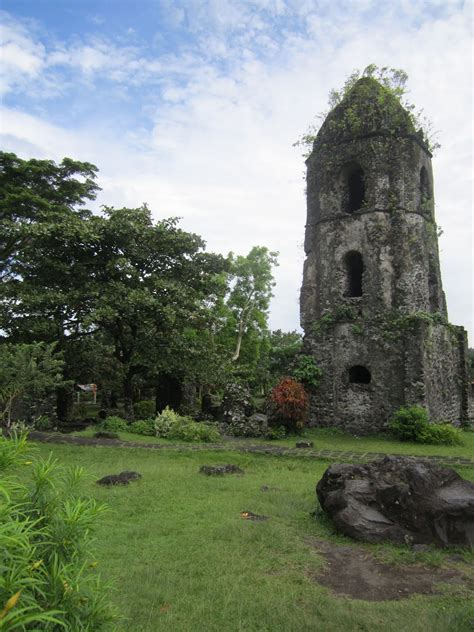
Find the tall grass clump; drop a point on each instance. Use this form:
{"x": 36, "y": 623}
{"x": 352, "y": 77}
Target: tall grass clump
{"x": 48, "y": 581}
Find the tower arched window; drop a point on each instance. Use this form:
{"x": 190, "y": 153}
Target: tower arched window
{"x": 354, "y": 187}
{"x": 354, "y": 265}
{"x": 425, "y": 189}
{"x": 359, "y": 375}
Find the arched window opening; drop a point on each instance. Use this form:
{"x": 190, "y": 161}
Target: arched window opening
{"x": 355, "y": 188}
{"x": 354, "y": 272}
{"x": 359, "y": 375}
{"x": 425, "y": 191}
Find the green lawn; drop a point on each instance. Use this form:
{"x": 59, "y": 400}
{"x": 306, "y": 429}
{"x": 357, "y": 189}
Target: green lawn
{"x": 182, "y": 559}
{"x": 327, "y": 439}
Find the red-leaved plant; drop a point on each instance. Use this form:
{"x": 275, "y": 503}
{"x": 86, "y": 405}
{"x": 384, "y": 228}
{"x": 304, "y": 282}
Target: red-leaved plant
{"x": 289, "y": 404}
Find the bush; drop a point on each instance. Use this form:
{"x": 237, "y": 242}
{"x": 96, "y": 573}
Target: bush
{"x": 170, "y": 425}
{"x": 277, "y": 432}
{"x": 188, "y": 430}
{"x": 43, "y": 423}
{"x": 410, "y": 423}
{"x": 407, "y": 422}
{"x": 143, "y": 427}
{"x": 145, "y": 409}
{"x": 114, "y": 424}
{"x": 165, "y": 421}
{"x": 306, "y": 371}
{"x": 48, "y": 582}
{"x": 289, "y": 405}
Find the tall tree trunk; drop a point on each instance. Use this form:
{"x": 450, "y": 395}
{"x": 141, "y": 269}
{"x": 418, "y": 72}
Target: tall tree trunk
{"x": 128, "y": 396}
{"x": 64, "y": 403}
{"x": 240, "y": 335}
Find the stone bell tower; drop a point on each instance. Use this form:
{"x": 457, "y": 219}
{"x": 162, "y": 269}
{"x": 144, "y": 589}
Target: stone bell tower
{"x": 372, "y": 304}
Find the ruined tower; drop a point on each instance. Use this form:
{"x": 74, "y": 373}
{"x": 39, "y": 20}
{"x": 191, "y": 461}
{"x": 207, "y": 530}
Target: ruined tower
{"x": 372, "y": 304}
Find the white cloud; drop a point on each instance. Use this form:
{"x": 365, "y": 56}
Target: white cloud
{"x": 21, "y": 58}
{"x": 220, "y": 148}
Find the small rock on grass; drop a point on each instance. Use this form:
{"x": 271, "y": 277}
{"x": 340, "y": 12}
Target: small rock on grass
{"x": 123, "y": 478}
{"x": 269, "y": 488}
{"x": 220, "y": 470}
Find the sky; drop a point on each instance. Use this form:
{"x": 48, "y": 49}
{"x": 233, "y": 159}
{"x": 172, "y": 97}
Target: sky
{"x": 193, "y": 106}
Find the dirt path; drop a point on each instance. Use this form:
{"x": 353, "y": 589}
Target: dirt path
{"x": 354, "y": 572}
{"x": 238, "y": 445}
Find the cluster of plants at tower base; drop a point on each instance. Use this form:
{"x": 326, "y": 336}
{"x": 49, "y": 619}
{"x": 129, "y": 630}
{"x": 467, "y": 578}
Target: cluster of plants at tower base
{"x": 411, "y": 423}
{"x": 49, "y": 581}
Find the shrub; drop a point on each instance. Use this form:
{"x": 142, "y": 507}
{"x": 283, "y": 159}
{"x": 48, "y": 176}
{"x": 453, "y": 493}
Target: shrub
{"x": 114, "y": 424}
{"x": 143, "y": 427}
{"x": 188, "y": 430}
{"x": 165, "y": 421}
{"x": 440, "y": 434}
{"x": 410, "y": 423}
{"x": 277, "y": 432}
{"x": 170, "y": 425}
{"x": 43, "y": 423}
{"x": 47, "y": 579}
{"x": 306, "y": 371}
{"x": 145, "y": 409}
{"x": 289, "y": 405}
{"x": 407, "y": 422}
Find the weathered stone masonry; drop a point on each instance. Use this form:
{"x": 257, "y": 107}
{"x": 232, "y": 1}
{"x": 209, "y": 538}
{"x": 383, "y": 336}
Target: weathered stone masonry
{"x": 372, "y": 305}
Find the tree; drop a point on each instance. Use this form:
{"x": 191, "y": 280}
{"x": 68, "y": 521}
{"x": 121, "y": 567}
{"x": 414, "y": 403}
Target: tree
{"x": 284, "y": 348}
{"x": 118, "y": 279}
{"x": 33, "y": 195}
{"x": 46, "y": 253}
{"x": 251, "y": 290}
{"x": 26, "y": 371}
{"x": 151, "y": 282}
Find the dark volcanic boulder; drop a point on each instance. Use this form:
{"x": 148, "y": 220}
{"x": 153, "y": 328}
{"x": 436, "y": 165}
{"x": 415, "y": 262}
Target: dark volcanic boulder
{"x": 123, "y": 478}
{"x": 402, "y": 499}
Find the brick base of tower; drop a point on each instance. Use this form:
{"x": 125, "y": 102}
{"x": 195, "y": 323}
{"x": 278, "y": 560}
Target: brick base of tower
{"x": 412, "y": 360}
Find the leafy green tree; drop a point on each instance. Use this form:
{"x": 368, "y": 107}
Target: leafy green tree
{"x": 284, "y": 346}
{"x": 27, "y": 371}
{"x": 47, "y": 252}
{"x": 117, "y": 282}
{"x": 151, "y": 282}
{"x": 35, "y": 194}
{"x": 250, "y": 293}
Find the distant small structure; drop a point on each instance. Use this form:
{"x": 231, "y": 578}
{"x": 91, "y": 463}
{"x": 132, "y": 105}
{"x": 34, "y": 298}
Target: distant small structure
{"x": 86, "y": 388}
{"x": 372, "y": 305}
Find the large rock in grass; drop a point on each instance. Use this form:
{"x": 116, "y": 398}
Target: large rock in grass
{"x": 402, "y": 499}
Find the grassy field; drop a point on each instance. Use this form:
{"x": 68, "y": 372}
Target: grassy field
{"x": 183, "y": 559}
{"x": 327, "y": 439}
